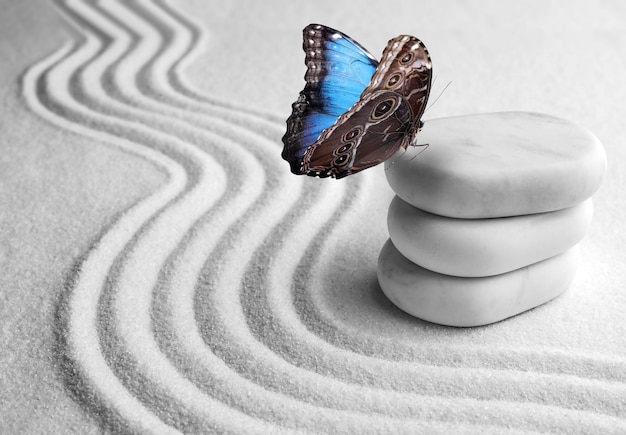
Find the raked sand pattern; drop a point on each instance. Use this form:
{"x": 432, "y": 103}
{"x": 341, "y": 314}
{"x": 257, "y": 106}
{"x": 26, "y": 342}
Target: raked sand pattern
{"x": 204, "y": 307}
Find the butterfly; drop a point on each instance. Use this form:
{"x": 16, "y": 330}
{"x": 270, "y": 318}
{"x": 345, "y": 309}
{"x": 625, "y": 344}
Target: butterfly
{"x": 355, "y": 112}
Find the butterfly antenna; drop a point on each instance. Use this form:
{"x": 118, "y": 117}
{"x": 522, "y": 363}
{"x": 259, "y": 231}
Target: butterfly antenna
{"x": 440, "y": 94}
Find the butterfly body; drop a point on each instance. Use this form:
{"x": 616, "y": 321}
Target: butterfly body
{"x": 354, "y": 112}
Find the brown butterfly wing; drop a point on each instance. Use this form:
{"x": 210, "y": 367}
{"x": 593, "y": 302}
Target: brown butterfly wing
{"x": 405, "y": 68}
{"x": 371, "y": 132}
{"x": 386, "y": 118}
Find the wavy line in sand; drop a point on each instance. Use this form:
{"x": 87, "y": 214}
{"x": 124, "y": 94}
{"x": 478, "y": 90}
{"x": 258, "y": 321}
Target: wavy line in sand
{"x": 86, "y": 293}
{"x": 228, "y": 256}
{"x": 85, "y": 288}
{"x": 176, "y": 26}
{"x": 87, "y": 70}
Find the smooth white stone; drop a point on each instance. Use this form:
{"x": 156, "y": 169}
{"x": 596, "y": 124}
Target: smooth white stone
{"x": 499, "y": 164}
{"x": 483, "y": 247}
{"x": 455, "y": 301}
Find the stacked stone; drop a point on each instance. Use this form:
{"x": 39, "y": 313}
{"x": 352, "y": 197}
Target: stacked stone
{"x": 486, "y": 222}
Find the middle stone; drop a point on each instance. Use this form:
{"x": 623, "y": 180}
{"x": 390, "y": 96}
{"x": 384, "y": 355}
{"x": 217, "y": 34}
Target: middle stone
{"x": 484, "y": 247}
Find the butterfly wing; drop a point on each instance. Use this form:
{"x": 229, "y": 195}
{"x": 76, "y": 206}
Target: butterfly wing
{"x": 385, "y": 119}
{"x": 338, "y": 70}
{"x": 368, "y": 134}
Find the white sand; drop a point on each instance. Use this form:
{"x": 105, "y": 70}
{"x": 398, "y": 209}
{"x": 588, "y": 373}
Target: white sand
{"x": 162, "y": 271}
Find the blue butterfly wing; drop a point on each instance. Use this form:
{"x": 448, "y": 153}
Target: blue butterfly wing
{"x": 338, "y": 71}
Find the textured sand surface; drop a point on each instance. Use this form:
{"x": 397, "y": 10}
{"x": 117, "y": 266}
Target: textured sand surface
{"x": 163, "y": 272}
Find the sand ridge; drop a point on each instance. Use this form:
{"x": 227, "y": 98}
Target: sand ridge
{"x": 199, "y": 309}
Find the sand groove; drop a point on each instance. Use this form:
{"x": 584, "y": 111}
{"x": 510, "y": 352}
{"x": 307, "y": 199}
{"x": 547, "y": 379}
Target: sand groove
{"x": 198, "y": 310}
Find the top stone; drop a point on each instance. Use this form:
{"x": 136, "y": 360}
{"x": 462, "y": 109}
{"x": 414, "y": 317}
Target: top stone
{"x": 499, "y": 164}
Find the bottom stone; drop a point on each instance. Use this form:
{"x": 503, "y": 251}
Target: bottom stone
{"x": 456, "y": 301}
